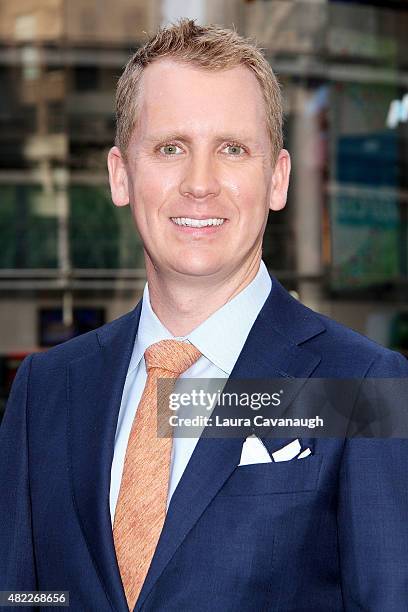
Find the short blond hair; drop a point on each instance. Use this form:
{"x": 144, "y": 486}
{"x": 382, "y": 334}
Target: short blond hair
{"x": 210, "y": 48}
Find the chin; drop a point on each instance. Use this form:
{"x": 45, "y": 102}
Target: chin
{"x": 197, "y": 267}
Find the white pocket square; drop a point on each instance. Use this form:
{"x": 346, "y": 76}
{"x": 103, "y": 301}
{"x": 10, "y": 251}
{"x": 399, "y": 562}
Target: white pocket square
{"x": 253, "y": 451}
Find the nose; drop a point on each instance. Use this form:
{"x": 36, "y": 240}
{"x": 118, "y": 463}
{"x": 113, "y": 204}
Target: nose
{"x": 199, "y": 180}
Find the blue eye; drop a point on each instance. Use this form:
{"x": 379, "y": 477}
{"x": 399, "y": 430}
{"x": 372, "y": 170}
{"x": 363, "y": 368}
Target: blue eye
{"x": 236, "y": 147}
{"x": 171, "y": 149}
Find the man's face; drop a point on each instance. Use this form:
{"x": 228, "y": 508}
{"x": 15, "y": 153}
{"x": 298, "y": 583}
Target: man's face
{"x": 200, "y": 151}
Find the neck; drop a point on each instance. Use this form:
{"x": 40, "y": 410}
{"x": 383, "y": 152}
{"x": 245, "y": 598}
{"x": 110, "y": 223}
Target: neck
{"x": 182, "y": 303}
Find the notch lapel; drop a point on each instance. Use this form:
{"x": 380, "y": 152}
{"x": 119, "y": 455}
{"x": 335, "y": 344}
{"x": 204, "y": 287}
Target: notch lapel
{"x": 96, "y": 383}
{"x": 272, "y": 350}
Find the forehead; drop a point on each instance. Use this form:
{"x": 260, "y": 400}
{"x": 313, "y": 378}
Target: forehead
{"x": 177, "y": 95}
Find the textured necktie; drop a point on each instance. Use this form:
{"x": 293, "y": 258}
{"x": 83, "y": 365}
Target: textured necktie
{"x": 141, "y": 505}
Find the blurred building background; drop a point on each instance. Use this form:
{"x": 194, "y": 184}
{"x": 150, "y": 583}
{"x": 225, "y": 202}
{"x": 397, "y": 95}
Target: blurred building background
{"x": 70, "y": 260}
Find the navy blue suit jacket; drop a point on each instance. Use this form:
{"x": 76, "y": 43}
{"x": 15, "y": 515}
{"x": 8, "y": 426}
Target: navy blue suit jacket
{"x": 326, "y": 533}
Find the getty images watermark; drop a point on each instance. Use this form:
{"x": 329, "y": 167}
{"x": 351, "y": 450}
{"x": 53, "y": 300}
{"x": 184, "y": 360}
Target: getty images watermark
{"x": 281, "y": 407}
{"x": 253, "y": 401}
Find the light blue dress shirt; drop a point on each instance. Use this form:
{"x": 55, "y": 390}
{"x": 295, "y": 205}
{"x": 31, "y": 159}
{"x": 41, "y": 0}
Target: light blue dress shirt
{"x": 220, "y": 339}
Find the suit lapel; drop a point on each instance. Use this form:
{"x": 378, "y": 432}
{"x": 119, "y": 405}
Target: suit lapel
{"x": 96, "y": 383}
{"x": 272, "y": 350}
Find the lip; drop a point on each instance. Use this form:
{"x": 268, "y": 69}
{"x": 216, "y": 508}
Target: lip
{"x": 198, "y": 217}
{"x": 199, "y": 231}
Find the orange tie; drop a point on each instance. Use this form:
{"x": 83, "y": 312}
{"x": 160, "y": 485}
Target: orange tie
{"x": 141, "y": 505}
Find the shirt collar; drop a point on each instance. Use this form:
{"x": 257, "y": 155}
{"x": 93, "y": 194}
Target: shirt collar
{"x": 221, "y": 337}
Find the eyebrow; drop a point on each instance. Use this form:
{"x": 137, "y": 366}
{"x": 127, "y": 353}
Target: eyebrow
{"x": 155, "y": 138}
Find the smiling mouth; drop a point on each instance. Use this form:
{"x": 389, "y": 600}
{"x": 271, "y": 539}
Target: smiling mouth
{"x": 190, "y": 222}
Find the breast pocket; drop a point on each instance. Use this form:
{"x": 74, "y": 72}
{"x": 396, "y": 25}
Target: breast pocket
{"x": 294, "y": 476}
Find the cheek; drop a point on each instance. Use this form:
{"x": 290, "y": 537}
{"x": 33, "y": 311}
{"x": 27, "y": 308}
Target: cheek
{"x": 157, "y": 178}
{"x": 233, "y": 185}
{"x": 247, "y": 190}
{"x": 253, "y": 207}
{"x": 147, "y": 195}
{"x": 147, "y": 188}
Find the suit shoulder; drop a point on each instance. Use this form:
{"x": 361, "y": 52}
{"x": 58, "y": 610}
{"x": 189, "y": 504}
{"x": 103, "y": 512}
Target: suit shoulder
{"x": 343, "y": 352}
{"x": 349, "y": 344}
{"x": 58, "y": 356}
{"x": 302, "y": 323}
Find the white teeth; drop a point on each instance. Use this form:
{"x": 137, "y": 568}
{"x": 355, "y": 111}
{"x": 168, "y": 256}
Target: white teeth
{"x": 188, "y": 222}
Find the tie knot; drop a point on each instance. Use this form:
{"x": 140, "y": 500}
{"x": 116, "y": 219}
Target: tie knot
{"x": 171, "y": 355}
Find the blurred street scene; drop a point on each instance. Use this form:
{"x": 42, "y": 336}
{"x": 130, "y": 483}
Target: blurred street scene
{"x": 70, "y": 260}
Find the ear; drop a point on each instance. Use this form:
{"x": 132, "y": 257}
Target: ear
{"x": 118, "y": 179}
{"x": 280, "y": 181}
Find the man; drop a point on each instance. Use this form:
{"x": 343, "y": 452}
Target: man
{"x": 85, "y": 481}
